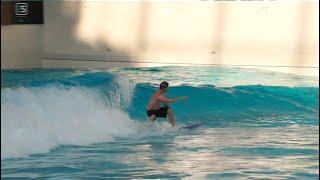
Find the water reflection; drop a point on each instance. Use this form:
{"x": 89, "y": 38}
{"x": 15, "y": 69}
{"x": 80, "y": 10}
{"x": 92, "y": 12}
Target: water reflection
{"x": 207, "y": 153}
{"x": 211, "y": 153}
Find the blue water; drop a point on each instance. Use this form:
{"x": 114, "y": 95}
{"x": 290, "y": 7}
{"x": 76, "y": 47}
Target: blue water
{"x": 88, "y": 124}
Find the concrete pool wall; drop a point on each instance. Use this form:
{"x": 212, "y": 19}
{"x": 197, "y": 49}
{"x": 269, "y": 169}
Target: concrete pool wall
{"x": 279, "y": 36}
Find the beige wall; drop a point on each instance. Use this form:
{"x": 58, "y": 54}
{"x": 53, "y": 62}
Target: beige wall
{"x": 21, "y": 46}
{"x": 280, "y": 36}
{"x": 259, "y": 34}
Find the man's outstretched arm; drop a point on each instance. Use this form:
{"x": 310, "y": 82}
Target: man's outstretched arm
{"x": 171, "y": 100}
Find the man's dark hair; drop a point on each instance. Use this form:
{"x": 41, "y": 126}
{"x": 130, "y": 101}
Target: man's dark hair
{"x": 163, "y": 85}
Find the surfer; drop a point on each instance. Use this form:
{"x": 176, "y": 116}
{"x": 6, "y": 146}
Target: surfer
{"x": 154, "y": 109}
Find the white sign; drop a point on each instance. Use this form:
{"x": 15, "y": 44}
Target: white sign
{"x": 21, "y": 9}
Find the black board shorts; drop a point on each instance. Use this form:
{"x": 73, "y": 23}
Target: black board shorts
{"x": 162, "y": 112}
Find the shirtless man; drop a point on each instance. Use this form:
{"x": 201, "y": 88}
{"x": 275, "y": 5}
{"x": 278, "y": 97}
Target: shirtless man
{"x": 154, "y": 110}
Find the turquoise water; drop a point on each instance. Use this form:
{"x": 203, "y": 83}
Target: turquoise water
{"x": 91, "y": 124}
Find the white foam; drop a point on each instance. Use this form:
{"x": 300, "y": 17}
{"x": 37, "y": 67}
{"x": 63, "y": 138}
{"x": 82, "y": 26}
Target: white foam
{"x": 126, "y": 88}
{"x": 34, "y": 120}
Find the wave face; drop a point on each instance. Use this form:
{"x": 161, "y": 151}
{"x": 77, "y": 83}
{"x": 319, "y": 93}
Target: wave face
{"x": 247, "y": 105}
{"x": 41, "y": 109}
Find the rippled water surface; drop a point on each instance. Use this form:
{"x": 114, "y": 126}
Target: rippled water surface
{"x": 87, "y": 124}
